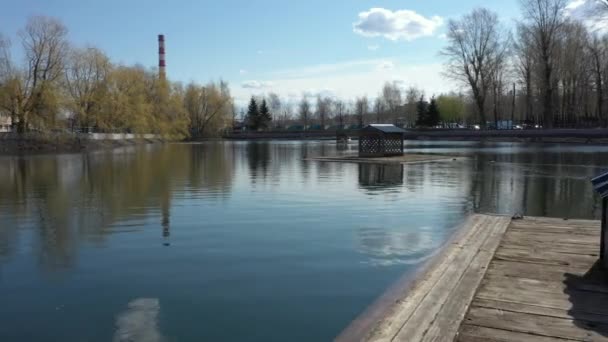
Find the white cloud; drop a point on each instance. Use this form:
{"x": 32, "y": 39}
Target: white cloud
{"x": 443, "y": 36}
{"x": 242, "y": 71}
{"x": 373, "y": 47}
{"x": 588, "y": 12}
{"x": 256, "y": 84}
{"x": 395, "y": 25}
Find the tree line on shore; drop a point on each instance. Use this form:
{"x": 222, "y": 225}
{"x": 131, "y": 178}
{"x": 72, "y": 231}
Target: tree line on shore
{"x": 59, "y": 86}
{"x": 406, "y": 108}
{"x": 550, "y": 71}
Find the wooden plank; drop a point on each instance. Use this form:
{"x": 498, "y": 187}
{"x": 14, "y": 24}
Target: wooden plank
{"x": 450, "y": 287}
{"x": 564, "y": 248}
{"x": 538, "y": 310}
{"x": 446, "y": 324}
{"x": 581, "y": 301}
{"x": 545, "y": 257}
{"x": 557, "y": 221}
{"x": 390, "y": 325}
{"x": 593, "y": 225}
{"x": 543, "y": 284}
{"x": 591, "y": 302}
{"x": 573, "y": 283}
{"x": 574, "y": 239}
{"x": 534, "y": 271}
{"x": 554, "y": 230}
{"x": 473, "y": 333}
{"x": 537, "y": 324}
{"x": 416, "y": 327}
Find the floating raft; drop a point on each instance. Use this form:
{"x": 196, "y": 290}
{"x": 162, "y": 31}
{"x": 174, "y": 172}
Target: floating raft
{"x": 535, "y": 279}
{"x": 404, "y": 159}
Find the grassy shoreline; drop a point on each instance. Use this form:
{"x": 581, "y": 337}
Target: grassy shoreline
{"x": 62, "y": 143}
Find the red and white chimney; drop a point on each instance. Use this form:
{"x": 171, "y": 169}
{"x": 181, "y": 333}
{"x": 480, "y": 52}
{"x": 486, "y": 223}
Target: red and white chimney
{"x": 161, "y": 57}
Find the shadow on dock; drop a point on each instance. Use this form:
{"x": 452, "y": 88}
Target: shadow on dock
{"x": 588, "y": 295}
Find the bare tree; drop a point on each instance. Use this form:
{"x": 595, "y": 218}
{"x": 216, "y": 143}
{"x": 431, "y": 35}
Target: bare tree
{"x": 208, "y": 107}
{"x": 45, "y": 45}
{"x": 274, "y": 102}
{"x": 85, "y": 83}
{"x": 5, "y": 59}
{"x": 304, "y": 111}
{"x": 524, "y": 64}
{"x": 599, "y": 54}
{"x": 411, "y": 97}
{"x": 361, "y": 110}
{"x": 340, "y": 111}
{"x": 391, "y": 96}
{"x": 323, "y": 109}
{"x": 7, "y": 81}
{"x": 379, "y": 109}
{"x": 545, "y": 19}
{"x": 476, "y": 44}
{"x": 33, "y": 89}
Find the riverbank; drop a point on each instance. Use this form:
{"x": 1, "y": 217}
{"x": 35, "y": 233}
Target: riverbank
{"x": 67, "y": 143}
{"x": 574, "y": 136}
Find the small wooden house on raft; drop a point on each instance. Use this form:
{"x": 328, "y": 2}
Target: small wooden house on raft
{"x": 381, "y": 141}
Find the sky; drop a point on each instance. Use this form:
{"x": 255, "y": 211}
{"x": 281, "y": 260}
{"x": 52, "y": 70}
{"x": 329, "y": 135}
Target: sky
{"x": 340, "y": 48}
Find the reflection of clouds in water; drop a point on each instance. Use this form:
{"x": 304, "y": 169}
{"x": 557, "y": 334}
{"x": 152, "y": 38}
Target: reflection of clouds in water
{"x": 139, "y": 323}
{"x": 387, "y": 248}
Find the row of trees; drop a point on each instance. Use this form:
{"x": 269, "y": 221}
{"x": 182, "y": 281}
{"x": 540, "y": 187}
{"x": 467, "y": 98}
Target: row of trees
{"x": 59, "y": 85}
{"x": 404, "y": 107}
{"x": 551, "y": 71}
{"x": 559, "y": 64}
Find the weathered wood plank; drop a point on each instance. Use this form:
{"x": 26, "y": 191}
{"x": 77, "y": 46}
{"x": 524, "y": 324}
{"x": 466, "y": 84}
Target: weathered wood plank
{"x": 472, "y": 333}
{"x": 581, "y": 301}
{"x": 574, "y": 239}
{"x": 435, "y": 306}
{"x": 415, "y": 328}
{"x": 447, "y": 322}
{"x": 534, "y": 280}
{"x": 543, "y": 284}
{"x": 557, "y": 221}
{"x": 537, "y": 324}
{"x": 538, "y": 310}
{"x": 389, "y": 326}
{"x": 533, "y": 271}
{"x": 545, "y": 257}
{"x": 551, "y": 286}
{"x": 554, "y": 230}
{"x": 534, "y": 246}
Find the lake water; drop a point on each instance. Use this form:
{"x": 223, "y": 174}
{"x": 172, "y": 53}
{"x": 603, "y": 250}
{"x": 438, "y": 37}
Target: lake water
{"x": 241, "y": 241}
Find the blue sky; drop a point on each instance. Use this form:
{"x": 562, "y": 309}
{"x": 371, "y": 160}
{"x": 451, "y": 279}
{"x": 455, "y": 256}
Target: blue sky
{"x": 340, "y": 47}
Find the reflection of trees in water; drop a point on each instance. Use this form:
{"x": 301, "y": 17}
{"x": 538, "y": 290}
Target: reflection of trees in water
{"x": 539, "y": 184}
{"x": 389, "y": 247}
{"x": 378, "y": 176}
{"x": 258, "y": 159}
{"x": 69, "y": 197}
{"x": 211, "y": 168}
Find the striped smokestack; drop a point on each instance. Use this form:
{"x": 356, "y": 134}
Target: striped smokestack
{"x": 161, "y": 57}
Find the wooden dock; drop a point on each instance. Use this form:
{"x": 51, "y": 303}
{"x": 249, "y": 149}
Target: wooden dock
{"x": 534, "y": 279}
{"x": 407, "y": 158}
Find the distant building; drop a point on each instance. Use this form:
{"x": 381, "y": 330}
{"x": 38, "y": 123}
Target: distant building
{"x": 5, "y": 124}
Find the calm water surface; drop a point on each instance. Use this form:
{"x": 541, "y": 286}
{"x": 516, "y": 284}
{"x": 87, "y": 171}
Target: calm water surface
{"x": 242, "y": 241}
